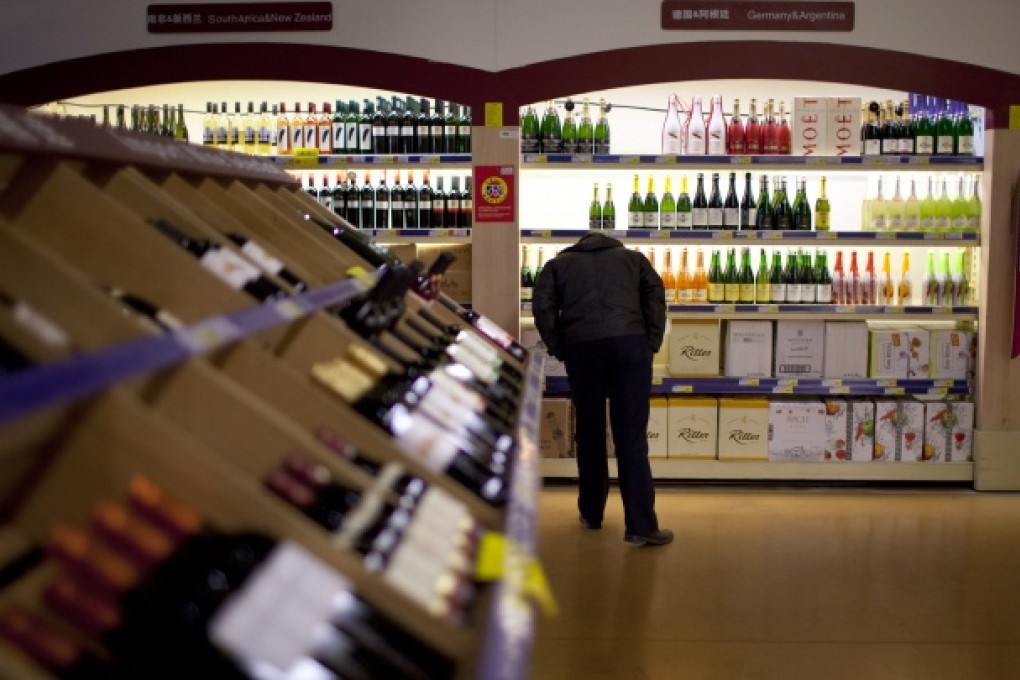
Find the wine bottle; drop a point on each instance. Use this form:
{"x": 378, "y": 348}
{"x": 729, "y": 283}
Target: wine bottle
{"x": 636, "y": 208}
{"x": 748, "y": 210}
{"x": 905, "y": 288}
{"x": 391, "y": 125}
{"x": 378, "y": 126}
{"x": 944, "y": 137}
{"x": 699, "y": 209}
{"x": 890, "y": 143}
{"x": 731, "y": 207}
{"x": 326, "y": 194}
{"x": 777, "y": 280}
{"x": 235, "y": 128}
{"x": 353, "y": 200}
{"x": 928, "y": 208}
{"x": 963, "y": 132}
{"x": 669, "y": 279}
{"x": 762, "y": 280}
{"x": 770, "y": 130}
{"x": 325, "y": 130}
{"x": 871, "y": 133}
{"x": 352, "y": 138}
{"x": 671, "y": 128}
{"x": 715, "y": 205}
{"x": 585, "y": 131}
{"x": 396, "y": 203}
{"x": 823, "y": 279}
{"x": 685, "y": 285}
{"x": 368, "y": 214}
{"x": 340, "y": 197}
{"x": 716, "y": 283}
{"x": 602, "y": 132}
{"x": 783, "y": 218}
{"x": 367, "y": 129}
{"x": 609, "y": 210}
{"x": 699, "y": 281}
{"x": 878, "y": 211}
{"x": 886, "y": 291}
{"x": 746, "y": 290}
{"x": 684, "y": 215}
{"x": 930, "y": 290}
{"x": 924, "y": 133}
{"x": 731, "y": 278}
{"x": 806, "y": 276}
{"x": 467, "y": 204}
{"x": 961, "y": 282}
{"x": 944, "y": 209}
{"x": 822, "y": 210}
{"x": 697, "y": 132}
{"x": 852, "y": 284}
{"x": 792, "y": 276}
{"x": 753, "y": 132}
{"x": 595, "y": 210}
{"x": 439, "y": 205}
{"x": 735, "y": 143}
{"x": 784, "y": 137}
{"x": 338, "y": 129}
{"x": 716, "y": 129}
{"x": 569, "y": 132}
{"x": 838, "y": 281}
{"x": 946, "y": 284}
{"x": 667, "y": 209}
{"x": 974, "y": 207}
{"x": 764, "y": 214}
{"x": 530, "y": 131}
{"x": 450, "y": 127}
{"x": 408, "y": 127}
{"x": 958, "y": 214}
{"x": 454, "y": 213}
{"x": 801, "y": 209}
{"x": 269, "y": 264}
{"x": 527, "y": 277}
{"x": 208, "y": 126}
{"x": 551, "y": 141}
{"x": 410, "y": 202}
{"x": 224, "y": 263}
{"x": 868, "y": 282}
{"x": 425, "y": 202}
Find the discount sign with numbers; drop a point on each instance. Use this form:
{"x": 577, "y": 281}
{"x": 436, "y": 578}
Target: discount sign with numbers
{"x": 494, "y": 193}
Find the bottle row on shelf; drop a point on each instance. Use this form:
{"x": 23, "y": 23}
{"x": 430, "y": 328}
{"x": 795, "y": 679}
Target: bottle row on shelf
{"x": 800, "y": 281}
{"x": 773, "y": 211}
{"x": 395, "y": 126}
{"x": 581, "y": 137}
{"x": 396, "y": 206}
{"x": 146, "y": 118}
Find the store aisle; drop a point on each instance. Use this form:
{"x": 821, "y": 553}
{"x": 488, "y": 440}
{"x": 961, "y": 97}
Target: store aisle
{"x": 786, "y": 584}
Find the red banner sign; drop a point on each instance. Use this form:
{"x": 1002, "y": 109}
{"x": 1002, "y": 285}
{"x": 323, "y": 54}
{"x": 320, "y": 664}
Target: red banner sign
{"x": 707, "y": 15}
{"x": 494, "y": 193}
{"x": 248, "y": 17}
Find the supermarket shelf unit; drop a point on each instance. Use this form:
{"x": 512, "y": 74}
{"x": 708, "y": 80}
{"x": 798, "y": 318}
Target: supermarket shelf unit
{"x": 370, "y": 161}
{"x": 853, "y": 387}
{"x": 808, "y": 312}
{"x": 506, "y": 629}
{"x": 669, "y": 237}
{"x": 866, "y": 163}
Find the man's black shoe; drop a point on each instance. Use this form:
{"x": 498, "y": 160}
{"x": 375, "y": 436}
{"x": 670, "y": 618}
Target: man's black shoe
{"x": 658, "y": 537}
{"x": 589, "y": 525}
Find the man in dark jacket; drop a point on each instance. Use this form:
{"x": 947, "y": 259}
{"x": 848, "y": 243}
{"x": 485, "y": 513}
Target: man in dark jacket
{"x": 602, "y": 310}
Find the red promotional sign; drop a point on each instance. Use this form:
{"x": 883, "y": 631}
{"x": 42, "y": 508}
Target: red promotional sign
{"x": 710, "y": 15}
{"x": 494, "y": 193}
{"x": 247, "y": 17}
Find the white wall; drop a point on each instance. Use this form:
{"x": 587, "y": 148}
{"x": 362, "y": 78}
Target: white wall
{"x": 494, "y": 35}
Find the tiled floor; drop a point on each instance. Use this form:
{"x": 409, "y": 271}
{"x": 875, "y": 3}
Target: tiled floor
{"x": 786, "y": 583}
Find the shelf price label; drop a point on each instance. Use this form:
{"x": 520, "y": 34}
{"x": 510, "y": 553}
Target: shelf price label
{"x": 833, "y": 382}
{"x": 725, "y": 309}
{"x": 724, "y": 235}
{"x": 886, "y": 383}
{"x": 306, "y": 157}
{"x": 581, "y": 158}
{"x": 885, "y": 235}
{"x": 665, "y": 160}
{"x": 683, "y": 389}
{"x": 815, "y": 160}
{"x": 943, "y": 383}
{"x": 782, "y": 389}
{"x": 769, "y": 309}
{"x": 935, "y": 236}
{"x": 839, "y": 390}
{"x": 656, "y": 381}
{"x": 895, "y": 390}
{"x": 750, "y": 382}
{"x": 768, "y": 235}
{"x": 442, "y": 233}
{"x": 433, "y": 160}
{"x": 938, "y": 392}
{"x": 846, "y": 309}
{"x": 662, "y": 234}
{"x": 740, "y": 160}
{"x": 826, "y": 235}
{"x": 545, "y": 233}
{"x": 630, "y": 160}
{"x": 919, "y": 160}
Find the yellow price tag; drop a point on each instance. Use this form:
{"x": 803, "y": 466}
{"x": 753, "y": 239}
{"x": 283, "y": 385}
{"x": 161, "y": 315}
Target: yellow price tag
{"x": 769, "y": 309}
{"x": 839, "y": 390}
{"x": 724, "y": 235}
{"x": 656, "y": 380}
{"x": 491, "y": 561}
{"x": 493, "y": 114}
{"x": 940, "y": 392}
{"x": 665, "y": 160}
{"x": 434, "y": 160}
{"x": 782, "y": 390}
{"x": 306, "y": 157}
{"x": 207, "y": 338}
{"x": 825, "y": 235}
{"x": 632, "y": 160}
{"x": 537, "y": 587}
{"x": 740, "y": 160}
{"x": 545, "y": 233}
{"x": 683, "y": 389}
{"x": 935, "y": 236}
{"x": 919, "y": 160}
{"x": 750, "y": 382}
{"x": 662, "y": 233}
{"x": 442, "y": 232}
{"x": 895, "y": 390}
{"x": 835, "y": 382}
{"x": 496, "y": 551}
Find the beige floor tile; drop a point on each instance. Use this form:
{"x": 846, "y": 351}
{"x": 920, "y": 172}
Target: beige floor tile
{"x": 772, "y": 583}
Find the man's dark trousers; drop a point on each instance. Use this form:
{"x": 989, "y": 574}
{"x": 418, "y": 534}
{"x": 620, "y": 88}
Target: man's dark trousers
{"x": 619, "y": 368}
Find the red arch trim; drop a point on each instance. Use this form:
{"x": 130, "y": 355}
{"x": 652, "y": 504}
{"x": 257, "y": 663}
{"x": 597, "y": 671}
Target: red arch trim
{"x": 675, "y": 62}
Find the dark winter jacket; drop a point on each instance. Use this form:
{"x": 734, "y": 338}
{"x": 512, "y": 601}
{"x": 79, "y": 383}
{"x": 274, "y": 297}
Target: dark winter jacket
{"x": 598, "y": 289}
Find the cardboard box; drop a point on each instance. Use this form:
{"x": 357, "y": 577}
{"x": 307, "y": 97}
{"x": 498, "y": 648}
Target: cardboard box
{"x": 556, "y": 429}
{"x": 948, "y": 431}
{"x": 694, "y": 347}
{"x": 849, "y": 430}
{"x": 899, "y": 430}
{"x": 953, "y": 354}
{"x": 457, "y": 279}
{"x": 900, "y": 354}
{"x": 796, "y": 431}
{"x": 532, "y": 341}
{"x": 800, "y": 349}
{"x": 843, "y": 126}
{"x": 693, "y": 427}
{"x": 743, "y": 429}
{"x": 810, "y": 126}
{"x": 748, "y": 349}
{"x": 658, "y": 427}
{"x": 846, "y": 349}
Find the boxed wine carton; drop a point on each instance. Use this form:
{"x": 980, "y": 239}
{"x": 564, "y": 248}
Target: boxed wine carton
{"x": 694, "y": 347}
{"x": 800, "y": 349}
{"x": 796, "y": 431}
{"x": 658, "y": 427}
{"x": 532, "y": 341}
{"x": 693, "y": 427}
{"x": 899, "y": 430}
{"x": 953, "y": 354}
{"x": 849, "y": 430}
{"x": 748, "y": 349}
{"x": 810, "y": 127}
{"x": 948, "y": 431}
{"x": 556, "y": 429}
{"x": 843, "y": 126}
{"x": 900, "y": 354}
{"x": 846, "y": 349}
{"x": 743, "y": 428}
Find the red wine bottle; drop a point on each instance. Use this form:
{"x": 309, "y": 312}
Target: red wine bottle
{"x": 269, "y": 264}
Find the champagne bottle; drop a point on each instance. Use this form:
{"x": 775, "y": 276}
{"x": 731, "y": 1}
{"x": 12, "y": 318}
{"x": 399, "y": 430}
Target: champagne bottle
{"x": 792, "y": 276}
{"x": 735, "y": 141}
{"x": 783, "y": 219}
{"x": 806, "y": 275}
{"x": 731, "y": 278}
{"x": 763, "y": 280}
{"x": 868, "y": 282}
{"x": 852, "y": 284}
{"x": 569, "y": 133}
{"x": 748, "y": 208}
{"x": 912, "y": 210}
{"x": 715, "y": 205}
{"x": 716, "y": 129}
{"x": 716, "y": 282}
{"x": 595, "y": 210}
{"x": 651, "y": 207}
{"x": 896, "y": 209}
{"x": 530, "y": 131}
{"x": 667, "y": 209}
{"x": 890, "y": 144}
{"x": 699, "y": 282}
{"x": 753, "y": 131}
{"x": 801, "y": 208}
{"x": 823, "y": 279}
{"x": 928, "y": 208}
{"x": 669, "y": 279}
{"x": 777, "y": 280}
{"x": 696, "y": 131}
{"x": 963, "y": 132}
{"x": 944, "y": 209}
{"x": 822, "y": 210}
{"x": 585, "y": 131}
{"x": 886, "y": 290}
{"x": 527, "y": 277}
{"x": 961, "y": 282}
{"x": 699, "y": 209}
{"x": 208, "y": 126}
{"x": 924, "y": 133}
{"x": 764, "y": 215}
{"x": 929, "y": 284}
{"x": 609, "y": 210}
{"x": 871, "y": 133}
{"x": 746, "y": 285}
{"x": 770, "y": 130}
{"x": 945, "y": 140}
{"x": 684, "y": 216}
{"x": 838, "y": 279}
{"x": 551, "y": 140}
{"x": 672, "y": 130}
{"x": 959, "y": 209}
{"x": 636, "y": 208}
{"x": 905, "y": 289}
{"x": 784, "y": 136}
{"x": 731, "y": 207}
{"x": 684, "y": 281}
{"x": 602, "y": 131}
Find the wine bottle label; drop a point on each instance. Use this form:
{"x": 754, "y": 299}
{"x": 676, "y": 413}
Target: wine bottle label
{"x": 602, "y": 146}
{"x": 731, "y": 218}
{"x": 392, "y": 132}
{"x": 699, "y": 218}
{"x": 686, "y": 295}
{"x": 716, "y": 292}
{"x": 700, "y": 296}
{"x": 752, "y": 219}
{"x": 396, "y": 205}
{"x": 943, "y": 222}
{"x": 368, "y": 204}
{"x": 668, "y": 220}
{"x": 635, "y": 220}
{"x": 608, "y": 221}
{"x": 353, "y": 140}
{"x": 249, "y": 135}
{"x": 594, "y": 222}
{"x": 464, "y": 131}
{"x": 529, "y": 142}
{"x": 762, "y": 293}
{"x": 325, "y": 139}
{"x": 822, "y": 221}
{"x": 715, "y": 218}
{"x": 960, "y": 222}
{"x": 928, "y": 222}
{"x": 526, "y": 293}
{"x": 878, "y": 221}
{"x": 746, "y": 293}
{"x": 671, "y": 296}
{"x": 777, "y": 293}
{"x": 973, "y": 222}
{"x": 890, "y": 146}
{"x": 965, "y": 145}
{"x": 807, "y": 293}
{"x": 731, "y": 292}
{"x": 339, "y": 137}
{"x": 651, "y": 220}
{"x": 570, "y": 145}
{"x": 924, "y": 145}
{"x": 716, "y": 145}
{"x": 293, "y": 618}
{"x": 944, "y": 145}
{"x": 208, "y": 136}
{"x": 423, "y": 132}
{"x": 425, "y": 204}
{"x": 895, "y": 221}
{"x": 906, "y": 146}
{"x": 793, "y": 293}
{"x": 684, "y": 220}
{"x": 823, "y": 293}
{"x": 311, "y": 137}
{"x": 222, "y": 134}
{"x": 229, "y": 267}
{"x": 872, "y": 147}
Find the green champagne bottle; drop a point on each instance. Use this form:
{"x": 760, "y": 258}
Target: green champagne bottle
{"x": 684, "y": 216}
{"x": 602, "y": 129}
{"x": 747, "y": 289}
{"x": 529, "y": 131}
{"x": 801, "y": 208}
{"x": 777, "y": 280}
{"x": 806, "y": 275}
{"x": 731, "y": 278}
{"x": 527, "y": 276}
{"x": 763, "y": 280}
{"x": 569, "y": 134}
{"x": 595, "y": 210}
{"x": 764, "y": 215}
{"x": 822, "y": 210}
{"x": 823, "y": 279}
{"x": 651, "y": 206}
{"x": 667, "y": 210}
{"x": 716, "y": 285}
{"x": 783, "y": 219}
{"x": 609, "y": 210}
{"x": 636, "y": 208}
{"x": 792, "y": 279}
{"x": 585, "y": 132}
